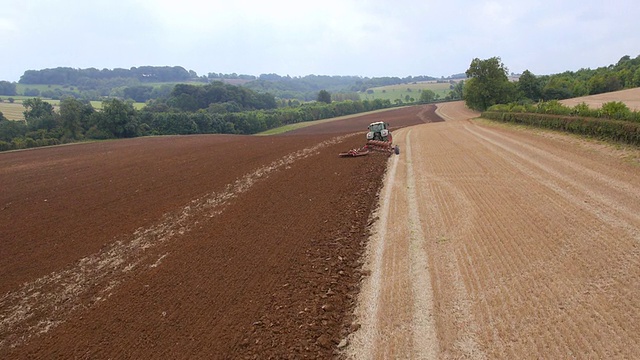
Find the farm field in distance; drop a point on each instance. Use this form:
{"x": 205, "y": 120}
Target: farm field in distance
{"x": 14, "y": 111}
{"x": 631, "y": 97}
{"x": 393, "y": 92}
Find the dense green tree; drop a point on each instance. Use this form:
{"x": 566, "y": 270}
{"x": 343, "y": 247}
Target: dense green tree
{"x": 82, "y": 77}
{"x": 75, "y": 117}
{"x": 39, "y": 114}
{"x": 488, "y": 84}
{"x": 36, "y": 108}
{"x": 139, "y": 93}
{"x": 7, "y": 88}
{"x": 457, "y": 92}
{"x": 162, "y": 91}
{"x": 11, "y": 129}
{"x": 187, "y": 97}
{"x": 530, "y": 86}
{"x": 427, "y": 96}
{"x": 70, "y": 115}
{"x": 636, "y": 78}
{"x": 117, "y": 119}
{"x": 558, "y": 88}
{"x": 324, "y": 96}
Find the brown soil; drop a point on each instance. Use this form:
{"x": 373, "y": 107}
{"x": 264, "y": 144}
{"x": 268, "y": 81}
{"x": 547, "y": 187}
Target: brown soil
{"x": 402, "y": 117}
{"x": 502, "y": 242}
{"x": 187, "y": 247}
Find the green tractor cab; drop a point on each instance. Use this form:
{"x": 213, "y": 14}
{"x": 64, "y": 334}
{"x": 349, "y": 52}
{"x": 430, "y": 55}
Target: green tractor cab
{"x": 378, "y": 139}
{"x": 379, "y": 131}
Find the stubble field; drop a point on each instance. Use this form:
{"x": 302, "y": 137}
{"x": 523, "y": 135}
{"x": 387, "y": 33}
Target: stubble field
{"x": 503, "y": 242}
{"x": 631, "y": 97}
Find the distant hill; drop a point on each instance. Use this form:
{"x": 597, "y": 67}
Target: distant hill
{"x": 93, "y": 84}
{"x": 307, "y": 87}
{"x": 87, "y": 77}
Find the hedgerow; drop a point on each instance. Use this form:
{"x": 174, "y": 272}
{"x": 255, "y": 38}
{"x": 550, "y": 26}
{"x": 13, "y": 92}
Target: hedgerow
{"x": 601, "y": 128}
{"x": 612, "y": 110}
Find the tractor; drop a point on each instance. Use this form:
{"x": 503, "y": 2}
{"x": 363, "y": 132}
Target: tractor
{"x": 378, "y": 139}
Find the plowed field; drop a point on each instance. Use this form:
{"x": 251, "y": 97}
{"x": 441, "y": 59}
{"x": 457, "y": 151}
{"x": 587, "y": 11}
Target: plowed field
{"x": 488, "y": 241}
{"x": 503, "y": 242}
{"x": 187, "y": 247}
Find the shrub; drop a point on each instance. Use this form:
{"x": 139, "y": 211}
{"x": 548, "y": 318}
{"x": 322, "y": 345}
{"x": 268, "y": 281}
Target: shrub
{"x": 582, "y": 109}
{"x": 553, "y": 107}
{"x": 518, "y": 108}
{"x": 615, "y": 110}
{"x": 4, "y": 146}
{"x": 616, "y": 130}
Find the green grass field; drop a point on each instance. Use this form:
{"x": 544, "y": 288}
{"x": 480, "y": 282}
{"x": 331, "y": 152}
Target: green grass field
{"x": 20, "y": 88}
{"x": 393, "y": 92}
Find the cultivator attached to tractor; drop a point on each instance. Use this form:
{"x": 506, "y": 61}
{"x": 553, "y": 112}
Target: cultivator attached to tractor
{"x": 378, "y": 139}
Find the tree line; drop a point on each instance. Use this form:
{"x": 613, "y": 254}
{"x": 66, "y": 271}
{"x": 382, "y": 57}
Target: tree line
{"x": 488, "y": 83}
{"x": 215, "y": 109}
{"x": 187, "y": 97}
{"x": 135, "y": 83}
{"x": 80, "y": 77}
{"x": 306, "y": 87}
{"x": 7, "y": 88}
{"x": 533, "y": 100}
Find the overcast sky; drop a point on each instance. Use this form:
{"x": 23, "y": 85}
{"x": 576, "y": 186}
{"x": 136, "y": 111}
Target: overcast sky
{"x": 322, "y": 37}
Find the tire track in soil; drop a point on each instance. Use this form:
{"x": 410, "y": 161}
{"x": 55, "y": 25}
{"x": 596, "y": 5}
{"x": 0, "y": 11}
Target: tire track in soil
{"x": 424, "y": 337}
{"x": 395, "y": 306}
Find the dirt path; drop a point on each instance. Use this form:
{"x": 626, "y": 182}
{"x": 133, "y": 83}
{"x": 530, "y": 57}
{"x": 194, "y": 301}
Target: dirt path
{"x": 497, "y": 242}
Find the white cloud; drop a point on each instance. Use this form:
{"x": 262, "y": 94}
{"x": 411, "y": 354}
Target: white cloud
{"x": 357, "y": 37}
